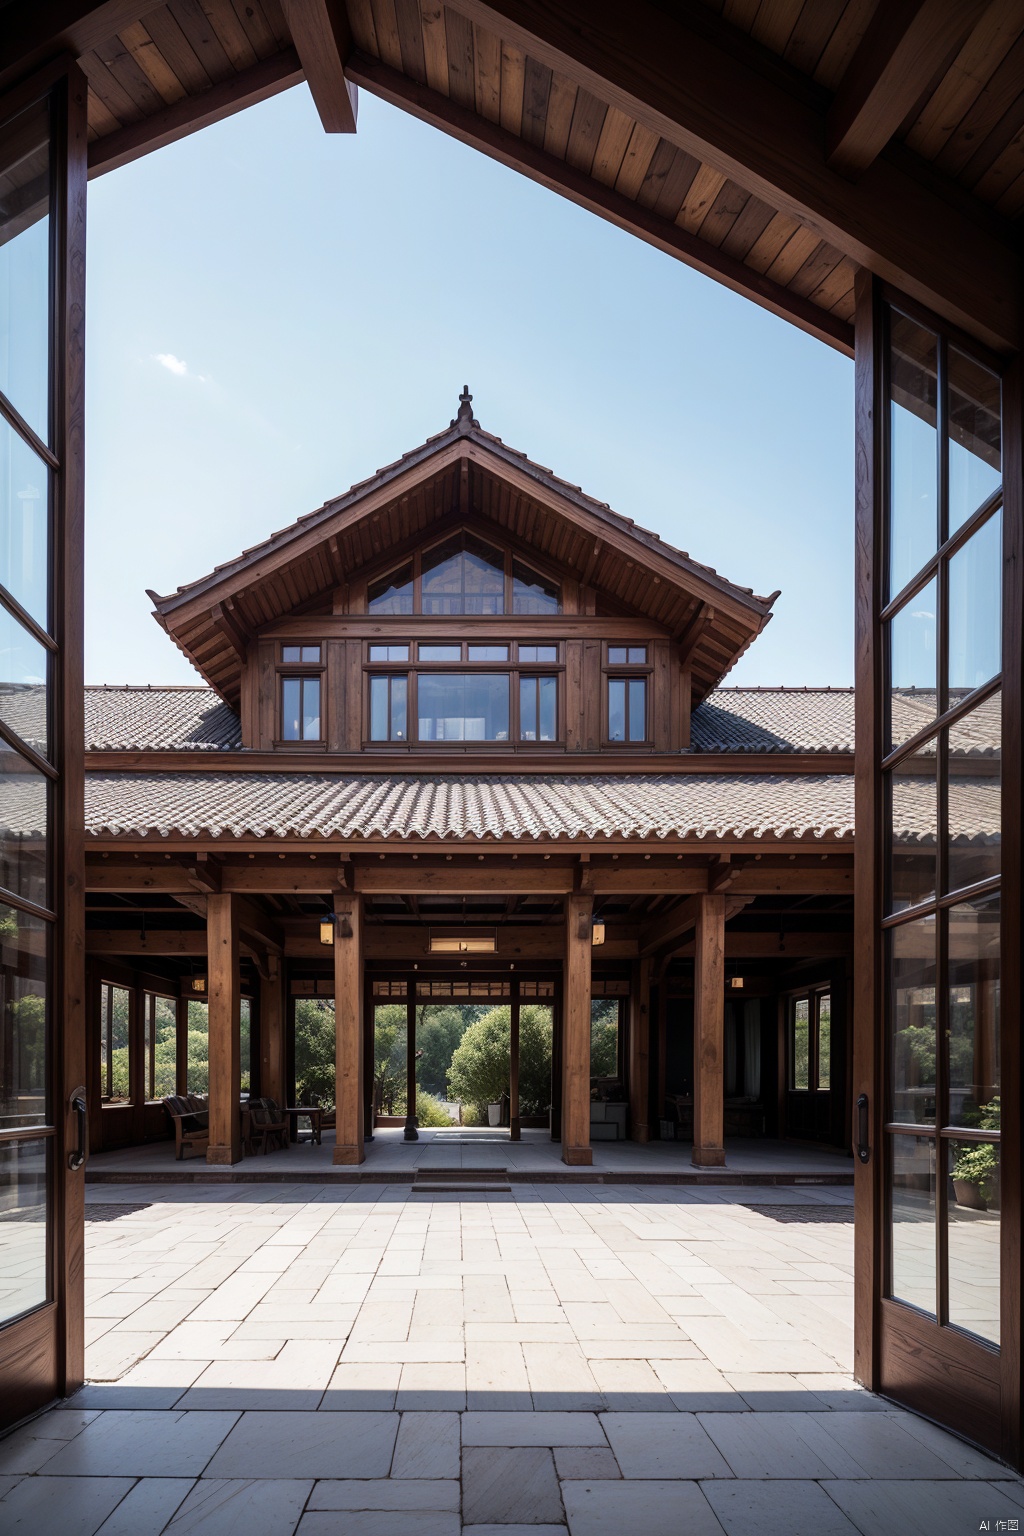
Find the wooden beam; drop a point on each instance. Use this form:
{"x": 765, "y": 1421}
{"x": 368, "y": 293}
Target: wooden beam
{"x": 559, "y": 176}
{"x": 223, "y": 996}
{"x": 189, "y": 761}
{"x": 774, "y": 946}
{"x": 640, "y": 1051}
{"x": 709, "y": 1034}
{"x": 323, "y": 39}
{"x": 272, "y": 1033}
{"x": 258, "y": 925}
{"x": 681, "y": 80}
{"x": 225, "y": 622}
{"x": 348, "y": 1028}
{"x": 666, "y": 931}
{"x": 35, "y": 33}
{"x": 579, "y": 912}
{"x": 266, "y": 78}
{"x": 466, "y": 879}
{"x": 904, "y": 48}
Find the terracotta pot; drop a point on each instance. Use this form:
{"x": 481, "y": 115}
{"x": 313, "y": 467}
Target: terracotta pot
{"x": 969, "y": 1195}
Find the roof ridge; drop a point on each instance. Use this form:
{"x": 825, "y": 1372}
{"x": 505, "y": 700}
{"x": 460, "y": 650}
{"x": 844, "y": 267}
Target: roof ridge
{"x": 780, "y": 688}
{"x": 150, "y": 688}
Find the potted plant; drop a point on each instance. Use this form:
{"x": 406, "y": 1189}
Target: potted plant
{"x": 975, "y": 1175}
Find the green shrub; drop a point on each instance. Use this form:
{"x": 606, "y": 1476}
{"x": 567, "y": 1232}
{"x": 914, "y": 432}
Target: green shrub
{"x": 430, "y": 1112}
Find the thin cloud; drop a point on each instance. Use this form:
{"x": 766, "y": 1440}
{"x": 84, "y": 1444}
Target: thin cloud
{"x": 173, "y": 364}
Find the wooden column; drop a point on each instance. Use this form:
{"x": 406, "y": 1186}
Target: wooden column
{"x": 579, "y": 910}
{"x": 273, "y": 1034}
{"x": 514, "y": 1131}
{"x": 640, "y": 1051}
{"x": 348, "y": 1027}
{"x": 181, "y": 1045}
{"x": 224, "y": 1001}
{"x": 411, "y": 1133}
{"x": 709, "y": 1033}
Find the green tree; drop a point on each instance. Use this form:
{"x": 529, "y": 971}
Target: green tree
{"x": 314, "y": 1050}
{"x": 439, "y": 1031}
{"x": 604, "y": 1037}
{"x": 480, "y": 1067}
{"x": 389, "y": 1058}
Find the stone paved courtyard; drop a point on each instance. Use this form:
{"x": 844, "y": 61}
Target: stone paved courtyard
{"x": 375, "y": 1362}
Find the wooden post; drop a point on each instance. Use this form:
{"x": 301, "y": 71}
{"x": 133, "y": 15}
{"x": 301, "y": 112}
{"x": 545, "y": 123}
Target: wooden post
{"x": 273, "y": 1074}
{"x": 411, "y": 1133}
{"x": 640, "y": 1051}
{"x": 709, "y": 1033}
{"x": 579, "y": 910}
{"x": 224, "y": 1000}
{"x": 514, "y": 1132}
{"x": 348, "y": 1027}
{"x": 181, "y": 1045}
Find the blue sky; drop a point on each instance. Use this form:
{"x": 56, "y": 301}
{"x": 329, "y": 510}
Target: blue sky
{"x": 275, "y": 313}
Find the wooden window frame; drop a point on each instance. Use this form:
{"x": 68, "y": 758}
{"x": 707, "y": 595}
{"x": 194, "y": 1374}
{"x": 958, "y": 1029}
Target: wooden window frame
{"x": 107, "y": 1099}
{"x": 597, "y": 996}
{"x": 627, "y": 671}
{"x": 811, "y": 995}
{"x": 149, "y": 1045}
{"x": 386, "y": 670}
{"x": 287, "y": 670}
{"x": 509, "y": 557}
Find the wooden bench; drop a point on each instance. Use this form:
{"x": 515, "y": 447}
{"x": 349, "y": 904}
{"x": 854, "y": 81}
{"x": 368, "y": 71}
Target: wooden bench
{"x": 190, "y": 1116}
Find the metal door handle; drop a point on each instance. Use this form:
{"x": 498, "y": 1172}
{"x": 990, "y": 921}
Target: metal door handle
{"x": 78, "y": 1105}
{"x": 863, "y": 1150}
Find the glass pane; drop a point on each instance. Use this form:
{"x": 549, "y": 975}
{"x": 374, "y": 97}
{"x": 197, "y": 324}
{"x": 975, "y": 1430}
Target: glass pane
{"x": 488, "y": 653}
{"x": 310, "y": 654}
{"x": 974, "y": 437}
{"x": 23, "y": 824}
{"x": 379, "y": 708}
{"x": 973, "y": 758}
{"x": 638, "y": 709}
{"x": 24, "y": 943}
{"x": 824, "y": 1040}
{"x": 24, "y": 1282}
{"x": 291, "y": 652}
{"x": 161, "y": 1045}
{"x": 24, "y": 267}
{"x": 115, "y": 1034}
{"x": 23, "y": 671}
{"x": 616, "y": 709}
{"x": 801, "y": 1063}
{"x": 914, "y": 830}
{"x": 538, "y": 653}
{"x": 972, "y": 1217}
{"x": 912, "y": 664}
{"x": 976, "y": 609}
{"x": 463, "y": 576}
{"x": 399, "y": 692}
{"x": 913, "y": 514}
{"x": 389, "y": 653}
{"x": 616, "y": 655}
{"x": 913, "y": 1221}
{"x": 528, "y": 708}
{"x": 311, "y": 709}
{"x": 463, "y": 707}
{"x": 24, "y": 519}
{"x": 440, "y": 653}
{"x": 636, "y": 655}
{"x": 912, "y": 1023}
{"x": 531, "y": 593}
{"x": 245, "y": 1039}
{"x": 973, "y": 1038}
{"x": 291, "y": 708}
{"x": 392, "y": 594}
{"x": 604, "y": 1037}
{"x": 198, "y": 1059}
{"x": 548, "y": 689}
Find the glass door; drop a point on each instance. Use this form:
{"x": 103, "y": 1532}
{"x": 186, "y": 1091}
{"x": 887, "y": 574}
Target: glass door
{"x": 42, "y": 1045}
{"x": 937, "y": 1219}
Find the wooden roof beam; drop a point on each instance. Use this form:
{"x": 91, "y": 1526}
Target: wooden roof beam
{"x": 905, "y": 46}
{"x": 678, "y": 74}
{"x": 323, "y": 40}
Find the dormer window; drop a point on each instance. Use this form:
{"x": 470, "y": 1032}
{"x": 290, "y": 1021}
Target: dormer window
{"x": 626, "y": 697}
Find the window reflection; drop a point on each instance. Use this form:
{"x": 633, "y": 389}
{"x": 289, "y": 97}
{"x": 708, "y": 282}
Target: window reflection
{"x": 973, "y": 1031}
{"x": 975, "y": 607}
{"x": 627, "y": 709}
{"x": 463, "y": 576}
{"x": 115, "y": 1043}
{"x": 913, "y": 1221}
{"x": 913, "y": 1024}
{"x": 24, "y": 518}
{"x": 393, "y": 593}
{"x": 388, "y": 708}
{"x": 974, "y": 795}
{"x": 538, "y": 708}
{"x": 23, "y": 1227}
{"x": 24, "y": 267}
{"x": 974, "y": 437}
{"x": 24, "y": 942}
{"x": 23, "y": 673}
{"x": 972, "y": 1216}
{"x": 24, "y": 799}
{"x": 913, "y": 829}
{"x": 531, "y": 593}
{"x": 463, "y": 706}
{"x": 913, "y": 700}
{"x": 300, "y": 709}
{"x": 913, "y": 536}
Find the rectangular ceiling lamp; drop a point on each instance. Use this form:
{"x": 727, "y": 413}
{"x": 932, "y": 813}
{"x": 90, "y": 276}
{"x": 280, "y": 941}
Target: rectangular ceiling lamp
{"x": 463, "y": 941}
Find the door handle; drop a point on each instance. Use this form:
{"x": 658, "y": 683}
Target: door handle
{"x": 863, "y": 1150}
{"x": 78, "y": 1105}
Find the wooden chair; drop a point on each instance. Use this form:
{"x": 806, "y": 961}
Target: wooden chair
{"x": 190, "y": 1116}
{"x": 267, "y": 1122}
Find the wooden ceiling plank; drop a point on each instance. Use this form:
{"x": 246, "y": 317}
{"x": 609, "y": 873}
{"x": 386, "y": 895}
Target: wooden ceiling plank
{"x": 560, "y": 109}
{"x": 166, "y": 33}
{"x": 101, "y": 119}
{"x": 278, "y": 25}
{"x": 254, "y": 23}
{"x": 122, "y": 66}
{"x": 993, "y": 101}
{"x": 833, "y": 286}
{"x": 996, "y": 160}
{"x": 386, "y": 25}
{"x": 704, "y": 188}
{"x": 844, "y": 41}
{"x": 822, "y": 260}
{"x": 774, "y": 23}
{"x": 410, "y": 38}
{"x": 809, "y": 38}
{"x": 1012, "y": 201}
{"x": 991, "y": 40}
{"x": 723, "y": 213}
{"x": 587, "y": 121}
{"x": 905, "y": 46}
{"x": 536, "y": 95}
{"x": 139, "y": 137}
{"x": 611, "y": 146}
{"x": 33, "y": 34}
{"x": 636, "y": 162}
{"x": 230, "y": 33}
{"x": 202, "y": 38}
{"x": 486, "y": 73}
{"x": 152, "y": 63}
{"x": 459, "y": 34}
{"x": 740, "y": 13}
{"x": 364, "y": 30}
{"x": 109, "y": 90}
{"x": 750, "y": 224}
{"x": 513, "y": 79}
{"x": 323, "y": 41}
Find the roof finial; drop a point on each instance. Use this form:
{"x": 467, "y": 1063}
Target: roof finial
{"x": 465, "y": 411}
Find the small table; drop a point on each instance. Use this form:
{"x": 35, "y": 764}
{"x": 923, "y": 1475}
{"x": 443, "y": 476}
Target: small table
{"x": 316, "y": 1116}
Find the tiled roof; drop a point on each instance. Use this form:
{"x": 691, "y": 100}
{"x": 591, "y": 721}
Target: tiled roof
{"x": 159, "y": 719}
{"x": 470, "y": 806}
{"x": 23, "y": 710}
{"x": 729, "y": 720}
